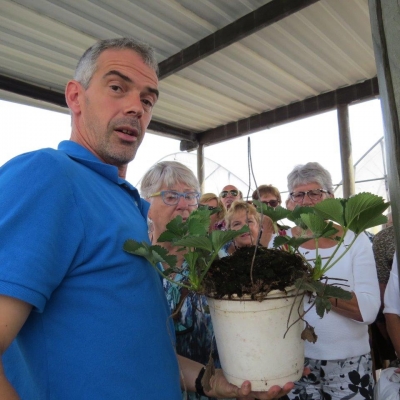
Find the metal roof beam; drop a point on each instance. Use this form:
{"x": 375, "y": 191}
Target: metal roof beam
{"x": 254, "y": 21}
{"x": 50, "y": 96}
{"x": 295, "y": 111}
{"x": 33, "y": 91}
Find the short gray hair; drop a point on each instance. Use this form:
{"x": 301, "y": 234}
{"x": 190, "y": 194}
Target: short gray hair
{"x": 87, "y": 64}
{"x": 309, "y": 173}
{"x": 167, "y": 173}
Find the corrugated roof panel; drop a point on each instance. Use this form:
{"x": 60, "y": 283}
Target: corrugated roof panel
{"x": 325, "y": 46}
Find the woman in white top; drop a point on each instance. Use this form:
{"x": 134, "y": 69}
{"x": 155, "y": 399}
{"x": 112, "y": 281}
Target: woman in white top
{"x": 340, "y": 360}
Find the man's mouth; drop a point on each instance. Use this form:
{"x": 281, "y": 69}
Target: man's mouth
{"x": 127, "y": 133}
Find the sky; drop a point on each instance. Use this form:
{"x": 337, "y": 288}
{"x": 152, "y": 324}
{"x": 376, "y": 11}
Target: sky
{"x": 274, "y": 152}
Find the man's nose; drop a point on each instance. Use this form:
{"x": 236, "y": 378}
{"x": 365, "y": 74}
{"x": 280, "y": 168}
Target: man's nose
{"x": 134, "y": 105}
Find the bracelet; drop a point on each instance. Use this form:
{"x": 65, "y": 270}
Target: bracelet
{"x": 198, "y": 385}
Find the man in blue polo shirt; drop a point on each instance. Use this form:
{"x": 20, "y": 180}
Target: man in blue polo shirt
{"x": 79, "y": 317}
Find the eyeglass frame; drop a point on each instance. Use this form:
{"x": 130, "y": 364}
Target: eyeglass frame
{"x": 180, "y": 194}
{"x": 225, "y": 193}
{"x": 322, "y": 191}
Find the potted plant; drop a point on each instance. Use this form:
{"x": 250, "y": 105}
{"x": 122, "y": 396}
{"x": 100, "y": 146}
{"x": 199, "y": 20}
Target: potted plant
{"x": 253, "y": 278}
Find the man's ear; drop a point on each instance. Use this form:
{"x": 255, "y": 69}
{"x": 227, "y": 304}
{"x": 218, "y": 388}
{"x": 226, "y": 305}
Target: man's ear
{"x": 73, "y": 92}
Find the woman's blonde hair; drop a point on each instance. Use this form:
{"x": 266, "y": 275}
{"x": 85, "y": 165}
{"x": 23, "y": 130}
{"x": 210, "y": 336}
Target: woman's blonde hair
{"x": 240, "y": 205}
{"x": 212, "y": 196}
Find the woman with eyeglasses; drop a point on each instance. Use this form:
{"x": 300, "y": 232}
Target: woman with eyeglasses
{"x": 172, "y": 190}
{"x": 212, "y": 202}
{"x": 340, "y": 360}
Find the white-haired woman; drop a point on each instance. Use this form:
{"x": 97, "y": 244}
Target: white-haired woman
{"x": 172, "y": 189}
{"x": 340, "y": 360}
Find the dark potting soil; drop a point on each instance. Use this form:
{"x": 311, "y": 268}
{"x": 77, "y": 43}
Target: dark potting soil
{"x": 273, "y": 269}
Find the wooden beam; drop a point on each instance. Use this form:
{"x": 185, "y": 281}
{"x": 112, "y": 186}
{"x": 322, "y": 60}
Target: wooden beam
{"x": 292, "y": 112}
{"x": 254, "y": 21}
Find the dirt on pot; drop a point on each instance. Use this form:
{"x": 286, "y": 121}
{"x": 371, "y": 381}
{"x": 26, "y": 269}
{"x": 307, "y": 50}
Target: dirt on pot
{"x": 273, "y": 269}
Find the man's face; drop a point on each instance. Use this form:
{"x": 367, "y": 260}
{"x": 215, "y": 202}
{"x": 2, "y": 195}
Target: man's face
{"x": 228, "y": 196}
{"x": 116, "y": 108}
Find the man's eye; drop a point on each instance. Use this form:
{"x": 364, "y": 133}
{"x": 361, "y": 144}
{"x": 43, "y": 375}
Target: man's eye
{"x": 115, "y": 88}
{"x": 147, "y": 103}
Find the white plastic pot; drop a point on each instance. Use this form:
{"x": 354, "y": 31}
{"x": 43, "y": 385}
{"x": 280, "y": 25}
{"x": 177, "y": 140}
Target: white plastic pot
{"x": 250, "y": 339}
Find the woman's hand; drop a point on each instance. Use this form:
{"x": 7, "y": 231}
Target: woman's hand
{"x": 221, "y": 388}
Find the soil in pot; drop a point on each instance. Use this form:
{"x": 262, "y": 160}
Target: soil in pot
{"x": 272, "y": 270}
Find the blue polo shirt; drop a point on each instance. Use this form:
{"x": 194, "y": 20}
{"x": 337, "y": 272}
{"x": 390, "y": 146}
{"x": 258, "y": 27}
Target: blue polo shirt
{"x": 99, "y": 327}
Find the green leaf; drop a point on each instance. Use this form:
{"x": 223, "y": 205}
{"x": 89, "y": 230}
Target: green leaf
{"x": 276, "y": 214}
{"x": 310, "y": 286}
{"x": 219, "y": 238}
{"x": 331, "y": 209}
{"x": 201, "y": 242}
{"x": 281, "y": 241}
{"x": 362, "y": 210}
{"x": 175, "y": 230}
{"x": 329, "y": 231}
{"x": 297, "y": 242}
{"x": 296, "y": 214}
{"x": 321, "y": 305}
{"x": 315, "y": 223}
{"x": 337, "y": 292}
{"x": 153, "y": 254}
{"x": 198, "y": 227}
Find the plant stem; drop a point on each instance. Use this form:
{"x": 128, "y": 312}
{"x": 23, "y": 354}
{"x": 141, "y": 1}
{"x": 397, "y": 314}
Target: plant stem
{"x": 327, "y": 266}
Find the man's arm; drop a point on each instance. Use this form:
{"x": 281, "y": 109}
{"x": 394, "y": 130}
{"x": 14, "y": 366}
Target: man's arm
{"x": 13, "y": 314}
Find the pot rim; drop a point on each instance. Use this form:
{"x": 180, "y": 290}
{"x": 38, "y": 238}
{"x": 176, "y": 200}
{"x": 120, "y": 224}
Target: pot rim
{"x": 290, "y": 291}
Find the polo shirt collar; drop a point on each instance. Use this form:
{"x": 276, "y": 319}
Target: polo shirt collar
{"x": 82, "y": 155}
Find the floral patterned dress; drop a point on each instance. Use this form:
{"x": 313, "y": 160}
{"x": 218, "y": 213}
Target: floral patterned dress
{"x": 193, "y": 327}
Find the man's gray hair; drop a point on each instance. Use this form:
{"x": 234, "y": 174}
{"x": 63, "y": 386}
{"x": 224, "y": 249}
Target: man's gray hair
{"x": 309, "y": 173}
{"x": 167, "y": 174}
{"x": 87, "y": 64}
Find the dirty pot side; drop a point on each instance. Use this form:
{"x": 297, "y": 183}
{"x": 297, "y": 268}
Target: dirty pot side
{"x": 250, "y": 341}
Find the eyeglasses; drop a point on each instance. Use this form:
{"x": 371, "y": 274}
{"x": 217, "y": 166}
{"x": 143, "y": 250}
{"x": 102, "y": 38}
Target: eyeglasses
{"x": 271, "y": 203}
{"x": 171, "y": 197}
{"x": 232, "y": 192}
{"x": 209, "y": 208}
{"x": 313, "y": 195}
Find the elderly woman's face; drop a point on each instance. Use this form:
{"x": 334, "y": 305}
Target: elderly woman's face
{"x": 307, "y": 195}
{"x": 161, "y": 213}
{"x": 242, "y": 218}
